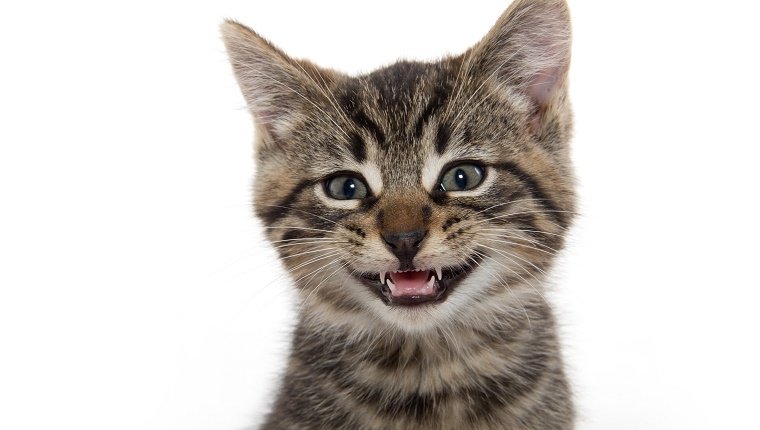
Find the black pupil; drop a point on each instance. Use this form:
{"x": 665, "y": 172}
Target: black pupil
{"x": 349, "y": 188}
{"x": 460, "y": 178}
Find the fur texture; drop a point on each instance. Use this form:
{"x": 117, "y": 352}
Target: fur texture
{"x": 486, "y": 356}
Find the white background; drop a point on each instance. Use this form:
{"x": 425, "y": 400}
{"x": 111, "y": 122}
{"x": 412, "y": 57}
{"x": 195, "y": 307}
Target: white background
{"x": 136, "y": 292}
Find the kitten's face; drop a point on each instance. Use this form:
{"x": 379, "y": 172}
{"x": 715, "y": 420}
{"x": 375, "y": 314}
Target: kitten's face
{"x": 422, "y": 193}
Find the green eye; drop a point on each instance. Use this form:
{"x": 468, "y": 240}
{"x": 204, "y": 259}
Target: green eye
{"x": 462, "y": 177}
{"x": 346, "y": 187}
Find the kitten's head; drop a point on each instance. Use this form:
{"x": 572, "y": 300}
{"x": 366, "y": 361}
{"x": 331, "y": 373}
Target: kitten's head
{"x": 423, "y": 193}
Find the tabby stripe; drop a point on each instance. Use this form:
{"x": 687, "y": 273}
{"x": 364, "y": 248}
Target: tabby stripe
{"x": 358, "y": 148}
{"x": 368, "y": 203}
{"x": 275, "y": 213}
{"x": 442, "y": 137}
{"x": 339, "y": 301}
{"x": 436, "y": 101}
{"x": 494, "y": 392}
{"x": 360, "y": 118}
{"x": 358, "y": 230}
{"x": 536, "y": 190}
{"x": 449, "y": 222}
{"x": 349, "y": 101}
{"x": 393, "y": 404}
{"x": 297, "y": 234}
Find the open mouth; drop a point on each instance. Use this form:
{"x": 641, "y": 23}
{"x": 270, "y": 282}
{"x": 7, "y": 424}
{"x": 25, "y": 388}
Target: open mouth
{"x": 416, "y": 287}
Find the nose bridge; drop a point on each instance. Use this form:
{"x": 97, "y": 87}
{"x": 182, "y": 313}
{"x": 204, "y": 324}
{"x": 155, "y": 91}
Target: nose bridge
{"x": 402, "y": 214}
{"x": 402, "y": 221}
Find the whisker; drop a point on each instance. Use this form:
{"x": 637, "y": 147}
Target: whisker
{"x": 306, "y": 253}
{"x": 302, "y": 211}
{"x": 516, "y": 273}
{"x": 509, "y": 256}
{"x": 507, "y": 217}
{"x": 477, "y": 90}
{"x": 528, "y": 199}
{"x": 298, "y": 228}
{"x": 306, "y": 239}
{"x": 551, "y": 251}
{"x": 328, "y": 93}
{"x": 288, "y": 271}
{"x": 289, "y": 245}
{"x": 308, "y": 262}
{"x": 522, "y": 213}
{"x": 503, "y": 282}
{"x": 465, "y": 67}
{"x": 313, "y": 274}
{"x": 511, "y": 229}
{"x": 303, "y": 239}
{"x": 346, "y": 264}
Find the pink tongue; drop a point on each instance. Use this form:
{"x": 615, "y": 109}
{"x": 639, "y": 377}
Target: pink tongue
{"x": 412, "y": 284}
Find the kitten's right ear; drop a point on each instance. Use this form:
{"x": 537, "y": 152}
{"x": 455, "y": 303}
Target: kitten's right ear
{"x": 528, "y": 49}
{"x": 273, "y": 84}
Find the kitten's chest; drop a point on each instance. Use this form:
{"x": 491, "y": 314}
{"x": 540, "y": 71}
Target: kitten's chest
{"x": 408, "y": 383}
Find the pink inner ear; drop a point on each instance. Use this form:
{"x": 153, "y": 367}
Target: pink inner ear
{"x": 541, "y": 89}
{"x": 542, "y": 86}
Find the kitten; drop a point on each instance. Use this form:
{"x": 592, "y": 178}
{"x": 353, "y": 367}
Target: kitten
{"x": 417, "y": 209}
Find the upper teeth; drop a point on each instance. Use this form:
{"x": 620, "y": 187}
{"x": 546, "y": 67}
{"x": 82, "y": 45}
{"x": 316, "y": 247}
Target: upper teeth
{"x": 385, "y": 279}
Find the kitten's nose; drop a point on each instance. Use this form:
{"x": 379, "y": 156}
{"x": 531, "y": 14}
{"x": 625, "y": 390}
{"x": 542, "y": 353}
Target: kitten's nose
{"x": 405, "y": 245}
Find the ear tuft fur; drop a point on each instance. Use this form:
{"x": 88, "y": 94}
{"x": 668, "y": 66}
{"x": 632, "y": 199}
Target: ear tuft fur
{"x": 273, "y": 84}
{"x": 528, "y": 49}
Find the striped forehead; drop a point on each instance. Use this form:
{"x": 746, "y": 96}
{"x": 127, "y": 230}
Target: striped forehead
{"x": 393, "y": 113}
{"x": 421, "y": 163}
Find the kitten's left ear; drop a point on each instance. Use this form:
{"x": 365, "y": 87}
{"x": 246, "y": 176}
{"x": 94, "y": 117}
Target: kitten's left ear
{"x": 276, "y": 87}
{"x": 528, "y": 49}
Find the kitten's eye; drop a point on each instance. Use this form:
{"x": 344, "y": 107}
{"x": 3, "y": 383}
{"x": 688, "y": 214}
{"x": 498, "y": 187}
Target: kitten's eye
{"x": 345, "y": 187}
{"x": 462, "y": 177}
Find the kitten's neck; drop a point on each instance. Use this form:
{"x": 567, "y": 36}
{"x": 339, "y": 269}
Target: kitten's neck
{"x": 456, "y": 375}
{"x": 492, "y": 338}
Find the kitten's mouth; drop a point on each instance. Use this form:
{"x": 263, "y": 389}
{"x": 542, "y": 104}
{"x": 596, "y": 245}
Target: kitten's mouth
{"x": 416, "y": 287}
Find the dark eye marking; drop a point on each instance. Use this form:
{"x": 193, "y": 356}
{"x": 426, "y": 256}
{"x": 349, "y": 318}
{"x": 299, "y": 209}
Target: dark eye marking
{"x": 368, "y": 203}
{"x": 272, "y": 214}
{"x": 366, "y": 123}
{"x": 449, "y": 222}
{"x": 536, "y": 191}
{"x": 350, "y": 103}
{"x": 294, "y": 234}
{"x": 358, "y": 148}
{"x": 442, "y": 138}
{"x": 356, "y": 230}
{"x": 455, "y": 234}
{"x": 427, "y": 212}
{"x": 437, "y": 100}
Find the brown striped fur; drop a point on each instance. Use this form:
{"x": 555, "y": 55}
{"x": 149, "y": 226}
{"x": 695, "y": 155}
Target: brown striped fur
{"x": 486, "y": 357}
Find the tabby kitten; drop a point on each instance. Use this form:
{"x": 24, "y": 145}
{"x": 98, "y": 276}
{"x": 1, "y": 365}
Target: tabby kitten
{"x": 418, "y": 209}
